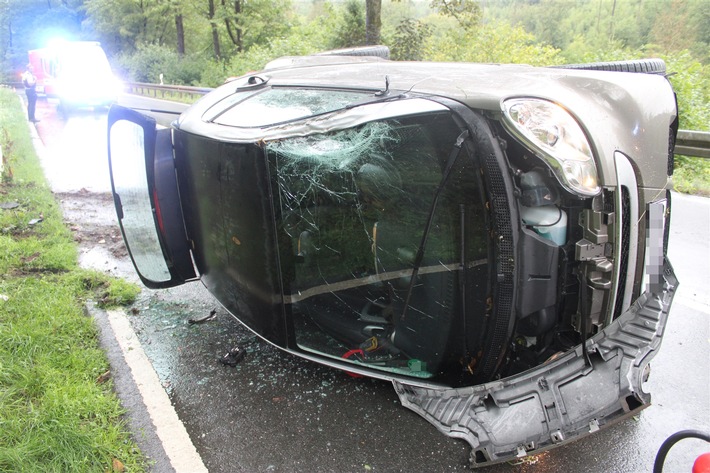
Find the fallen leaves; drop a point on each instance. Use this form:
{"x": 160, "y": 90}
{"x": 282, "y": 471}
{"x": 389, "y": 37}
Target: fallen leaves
{"x": 31, "y": 258}
{"x": 117, "y": 466}
{"x": 103, "y": 377}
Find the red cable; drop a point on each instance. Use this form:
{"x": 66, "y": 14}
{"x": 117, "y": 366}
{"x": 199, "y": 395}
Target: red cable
{"x": 348, "y": 355}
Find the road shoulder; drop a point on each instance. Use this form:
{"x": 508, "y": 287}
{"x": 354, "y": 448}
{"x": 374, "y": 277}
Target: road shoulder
{"x": 151, "y": 417}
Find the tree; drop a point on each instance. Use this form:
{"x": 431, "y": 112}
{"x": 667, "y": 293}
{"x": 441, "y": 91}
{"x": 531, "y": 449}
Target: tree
{"x": 491, "y": 43}
{"x": 180, "y": 30}
{"x": 673, "y": 28}
{"x": 265, "y": 20}
{"x": 233, "y": 25}
{"x": 373, "y": 22}
{"x": 700, "y": 15}
{"x": 126, "y": 24}
{"x": 409, "y": 39}
{"x": 351, "y": 27}
{"x": 211, "y": 12}
{"x": 177, "y": 8}
{"x": 467, "y": 13}
{"x": 237, "y": 25}
{"x": 31, "y": 24}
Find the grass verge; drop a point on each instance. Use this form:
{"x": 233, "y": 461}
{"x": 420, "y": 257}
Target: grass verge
{"x": 692, "y": 176}
{"x": 58, "y": 411}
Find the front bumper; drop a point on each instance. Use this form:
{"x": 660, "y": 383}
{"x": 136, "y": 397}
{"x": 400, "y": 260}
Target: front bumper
{"x": 561, "y": 400}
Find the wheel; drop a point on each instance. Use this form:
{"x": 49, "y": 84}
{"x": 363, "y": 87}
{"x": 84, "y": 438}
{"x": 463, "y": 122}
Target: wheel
{"x": 644, "y": 66}
{"x": 373, "y": 51}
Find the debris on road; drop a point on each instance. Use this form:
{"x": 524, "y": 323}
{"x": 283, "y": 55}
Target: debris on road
{"x": 233, "y": 356}
{"x": 206, "y": 318}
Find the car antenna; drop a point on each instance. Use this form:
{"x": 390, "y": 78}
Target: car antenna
{"x": 385, "y": 92}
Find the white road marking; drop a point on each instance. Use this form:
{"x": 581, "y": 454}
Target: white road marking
{"x": 170, "y": 430}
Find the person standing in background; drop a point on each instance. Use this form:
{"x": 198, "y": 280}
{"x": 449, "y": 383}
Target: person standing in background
{"x": 30, "y": 82}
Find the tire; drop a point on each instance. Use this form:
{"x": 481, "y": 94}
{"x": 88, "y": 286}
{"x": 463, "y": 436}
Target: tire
{"x": 643, "y": 66}
{"x": 371, "y": 51}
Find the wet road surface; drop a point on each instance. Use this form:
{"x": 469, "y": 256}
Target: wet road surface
{"x": 276, "y": 412}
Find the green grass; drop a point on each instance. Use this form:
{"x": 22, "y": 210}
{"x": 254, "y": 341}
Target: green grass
{"x": 692, "y": 176}
{"x": 55, "y": 413}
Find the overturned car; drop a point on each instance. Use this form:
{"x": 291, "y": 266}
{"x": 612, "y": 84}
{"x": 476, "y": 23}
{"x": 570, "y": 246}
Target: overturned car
{"x": 489, "y": 238}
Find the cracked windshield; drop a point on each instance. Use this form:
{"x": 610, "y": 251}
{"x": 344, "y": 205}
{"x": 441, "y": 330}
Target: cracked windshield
{"x": 353, "y": 206}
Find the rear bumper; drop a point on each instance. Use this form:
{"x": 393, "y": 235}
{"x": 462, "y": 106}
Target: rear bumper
{"x": 562, "y": 400}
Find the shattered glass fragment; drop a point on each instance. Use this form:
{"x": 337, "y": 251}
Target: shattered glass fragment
{"x": 351, "y": 207}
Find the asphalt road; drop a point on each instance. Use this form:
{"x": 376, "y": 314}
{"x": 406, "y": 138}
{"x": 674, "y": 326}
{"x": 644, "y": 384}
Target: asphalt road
{"x": 275, "y": 412}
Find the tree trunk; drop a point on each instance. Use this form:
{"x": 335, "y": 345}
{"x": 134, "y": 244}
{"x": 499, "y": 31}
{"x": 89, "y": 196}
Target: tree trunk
{"x": 180, "y": 29}
{"x": 215, "y": 32}
{"x": 373, "y": 23}
{"x": 215, "y": 42}
{"x": 235, "y": 33}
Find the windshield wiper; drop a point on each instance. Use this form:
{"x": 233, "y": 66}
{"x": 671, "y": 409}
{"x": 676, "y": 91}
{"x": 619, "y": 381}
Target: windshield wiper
{"x": 453, "y": 157}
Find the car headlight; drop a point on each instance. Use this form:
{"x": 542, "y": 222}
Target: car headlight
{"x": 550, "y": 129}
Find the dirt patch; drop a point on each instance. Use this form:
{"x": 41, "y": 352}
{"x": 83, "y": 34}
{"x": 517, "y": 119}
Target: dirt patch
{"x": 91, "y": 217}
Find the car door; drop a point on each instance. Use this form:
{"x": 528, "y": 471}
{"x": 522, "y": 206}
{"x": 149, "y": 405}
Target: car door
{"x": 145, "y": 193}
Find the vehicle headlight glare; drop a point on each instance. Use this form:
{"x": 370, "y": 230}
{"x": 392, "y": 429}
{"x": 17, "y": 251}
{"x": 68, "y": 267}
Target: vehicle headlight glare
{"x": 555, "y": 134}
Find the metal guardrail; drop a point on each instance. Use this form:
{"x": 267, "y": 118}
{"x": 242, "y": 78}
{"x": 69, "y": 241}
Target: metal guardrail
{"x": 167, "y": 92}
{"x": 693, "y": 143}
{"x": 688, "y": 142}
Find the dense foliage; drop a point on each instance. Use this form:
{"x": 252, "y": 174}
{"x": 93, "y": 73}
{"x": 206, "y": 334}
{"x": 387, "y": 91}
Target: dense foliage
{"x": 202, "y": 42}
